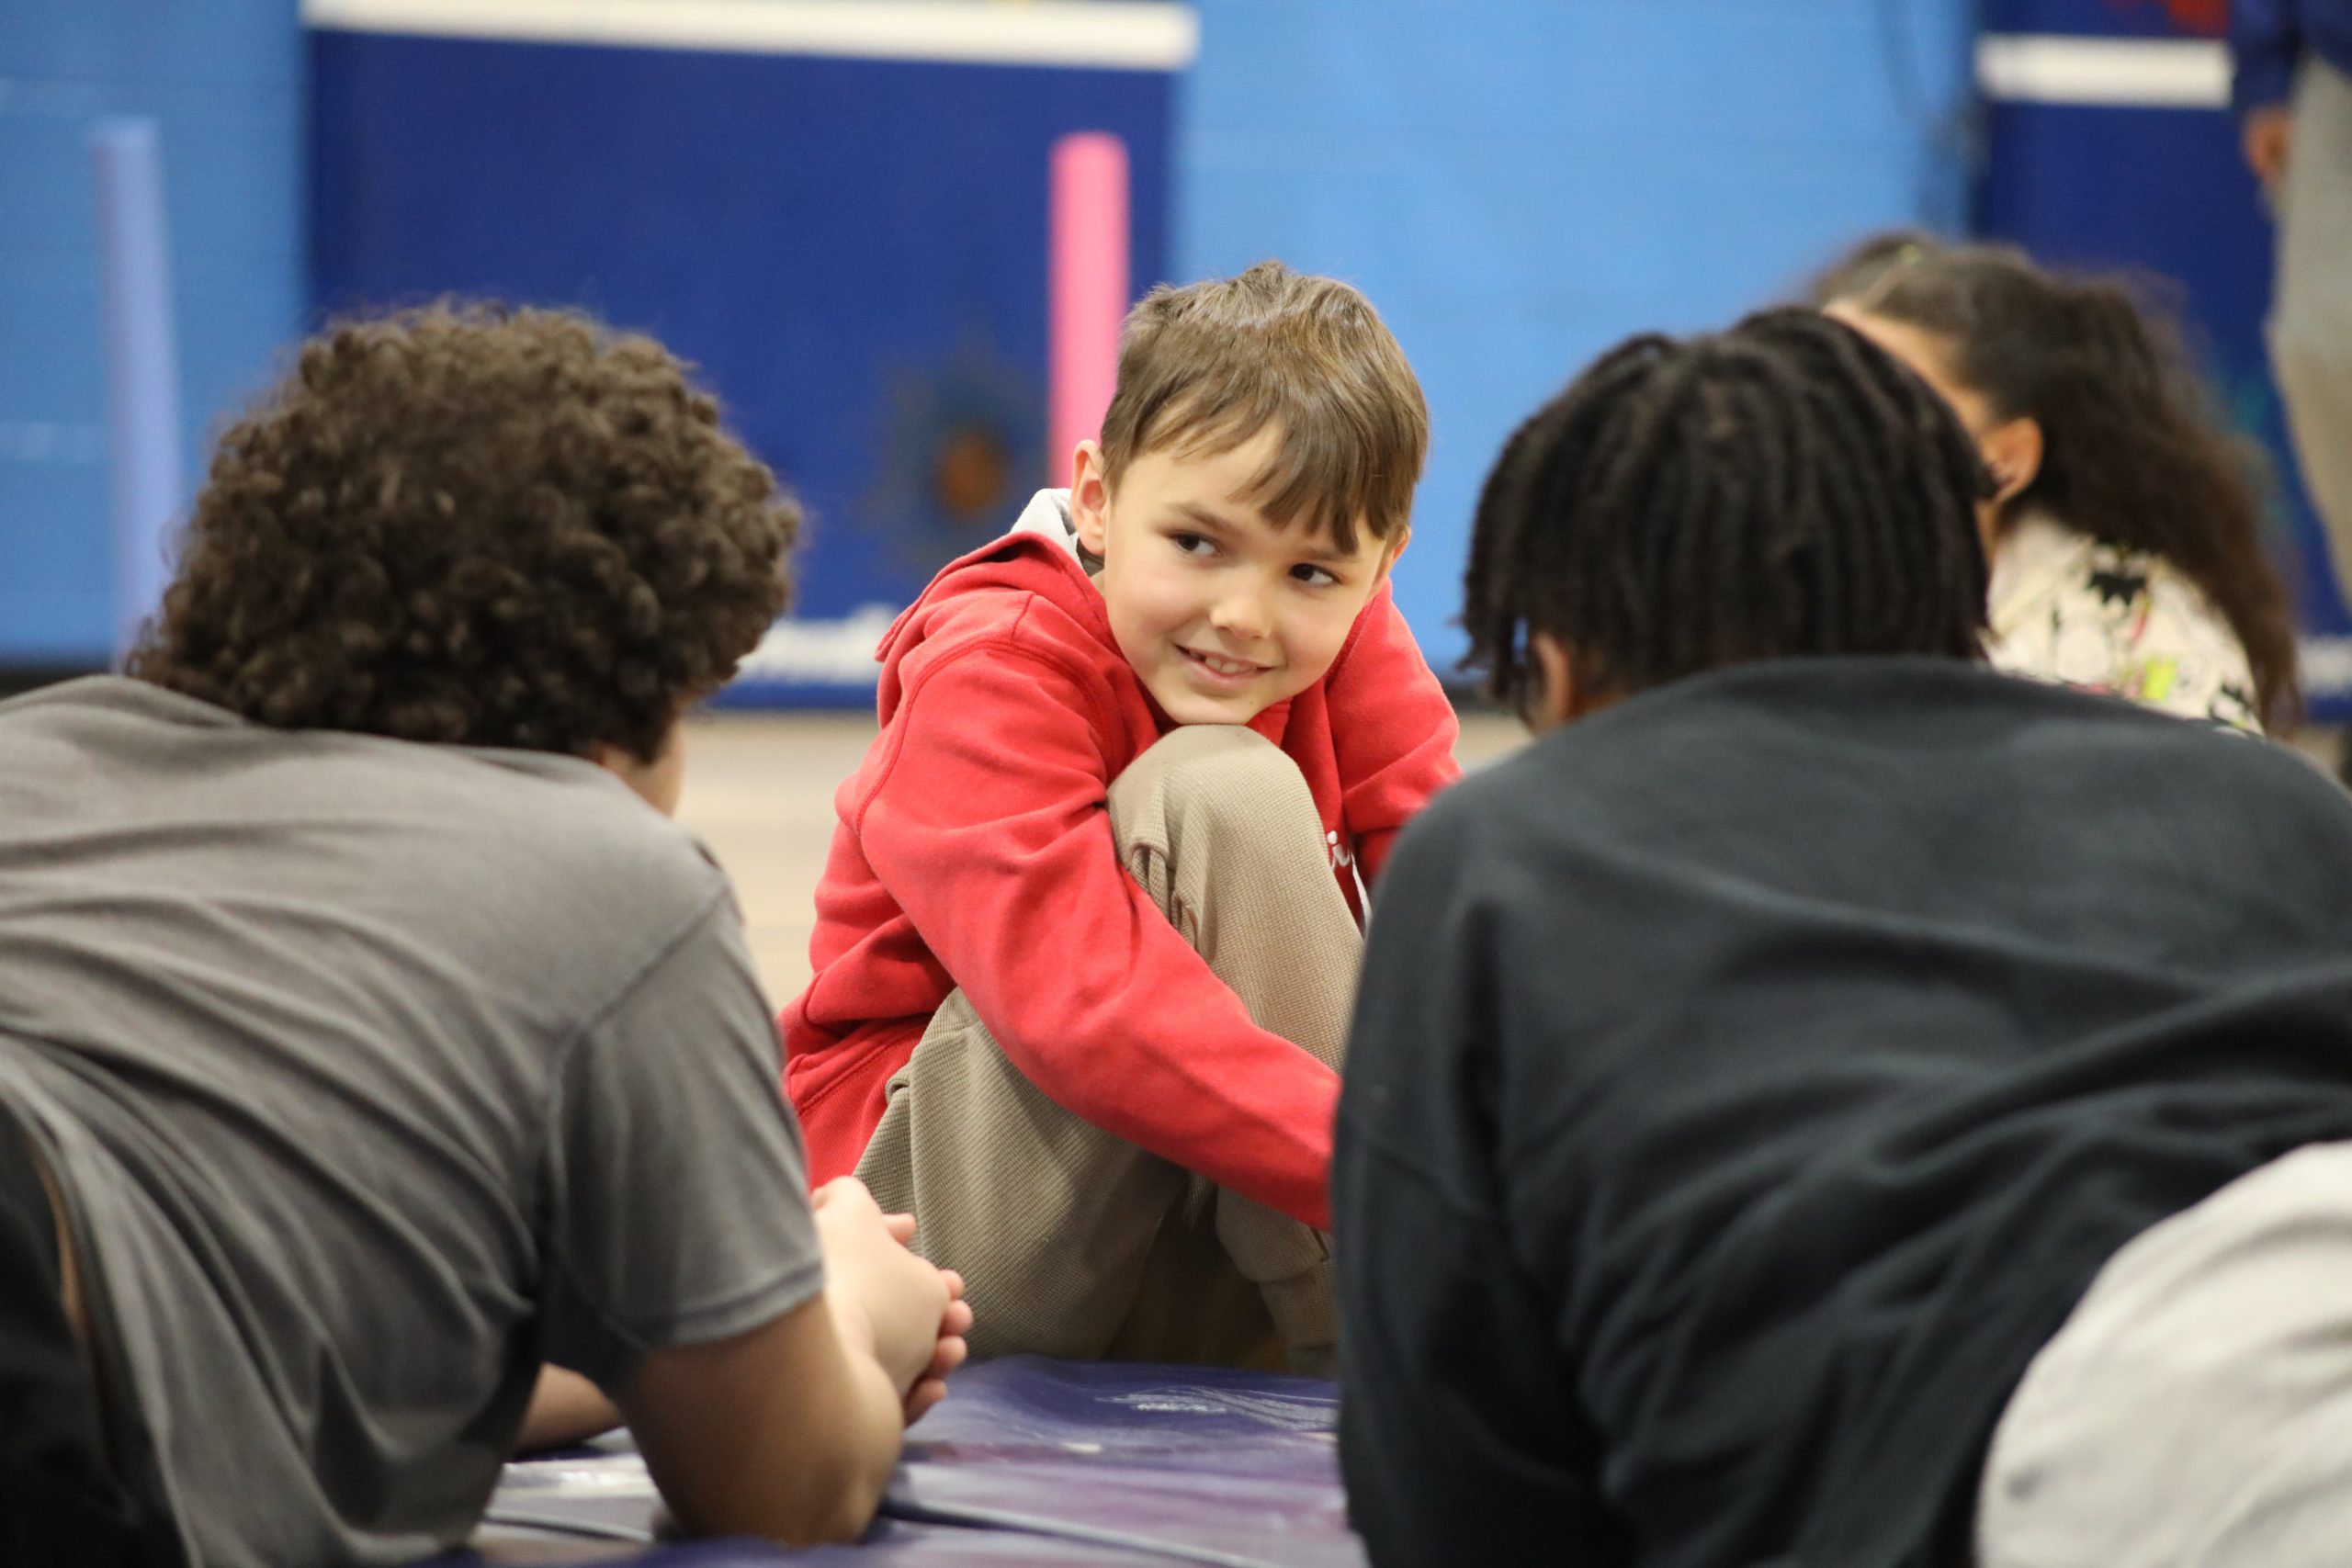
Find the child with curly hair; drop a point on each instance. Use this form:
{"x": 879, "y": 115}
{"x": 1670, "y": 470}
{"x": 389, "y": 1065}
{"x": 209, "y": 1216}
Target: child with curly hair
{"x": 2125, "y": 524}
{"x": 368, "y": 1035}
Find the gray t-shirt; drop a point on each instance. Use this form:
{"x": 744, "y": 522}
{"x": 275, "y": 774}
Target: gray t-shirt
{"x": 376, "y": 1073}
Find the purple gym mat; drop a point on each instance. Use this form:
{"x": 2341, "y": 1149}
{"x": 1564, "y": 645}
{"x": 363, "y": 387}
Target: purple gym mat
{"x": 1027, "y": 1461}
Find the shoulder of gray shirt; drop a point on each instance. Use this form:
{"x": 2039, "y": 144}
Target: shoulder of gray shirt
{"x": 546, "y": 867}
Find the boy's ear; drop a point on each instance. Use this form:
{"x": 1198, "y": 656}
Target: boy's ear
{"x": 1554, "y": 702}
{"x": 1561, "y": 697}
{"x": 1090, "y": 496}
{"x": 1388, "y": 557}
{"x": 2013, "y": 451}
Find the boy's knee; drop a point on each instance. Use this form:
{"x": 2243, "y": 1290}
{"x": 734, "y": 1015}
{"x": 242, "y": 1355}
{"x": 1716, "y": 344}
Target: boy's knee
{"x": 1219, "y": 762}
{"x": 1224, "y": 776}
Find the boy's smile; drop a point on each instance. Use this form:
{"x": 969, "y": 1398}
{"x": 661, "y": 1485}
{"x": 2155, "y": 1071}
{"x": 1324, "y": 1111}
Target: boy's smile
{"x": 1221, "y": 669}
{"x": 1220, "y": 612}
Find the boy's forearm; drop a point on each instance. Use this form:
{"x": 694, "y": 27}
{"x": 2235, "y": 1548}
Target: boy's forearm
{"x": 1145, "y": 1041}
{"x": 789, "y": 1431}
{"x": 1262, "y": 1126}
{"x": 1254, "y": 1116}
{"x": 1290, "y": 1169}
{"x": 1121, "y": 1021}
{"x": 830, "y": 1498}
{"x": 1284, "y": 1164}
{"x": 876, "y": 1433}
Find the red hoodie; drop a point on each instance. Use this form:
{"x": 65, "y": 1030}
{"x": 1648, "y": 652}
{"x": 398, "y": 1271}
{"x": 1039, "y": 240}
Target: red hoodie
{"x": 975, "y": 849}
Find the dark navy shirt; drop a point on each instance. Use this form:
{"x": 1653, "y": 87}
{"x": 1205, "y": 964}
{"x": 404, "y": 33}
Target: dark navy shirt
{"x": 1748, "y": 1080}
{"x": 2268, "y": 38}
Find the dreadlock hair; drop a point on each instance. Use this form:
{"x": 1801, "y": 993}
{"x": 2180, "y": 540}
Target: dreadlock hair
{"x": 1781, "y": 489}
{"x": 2135, "y": 452}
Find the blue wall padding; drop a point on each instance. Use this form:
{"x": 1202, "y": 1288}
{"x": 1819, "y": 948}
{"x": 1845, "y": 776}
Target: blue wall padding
{"x": 853, "y": 250}
{"x": 222, "y": 80}
{"x": 1519, "y": 183}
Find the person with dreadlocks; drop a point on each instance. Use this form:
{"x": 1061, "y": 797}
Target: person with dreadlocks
{"x": 2125, "y": 525}
{"x": 1828, "y": 1101}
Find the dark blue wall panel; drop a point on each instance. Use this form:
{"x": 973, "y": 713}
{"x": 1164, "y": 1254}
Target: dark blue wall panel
{"x": 854, "y": 250}
{"x": 2107, "y": 18}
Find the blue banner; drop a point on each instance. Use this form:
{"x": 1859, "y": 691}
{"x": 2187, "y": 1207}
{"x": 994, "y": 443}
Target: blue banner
{"x": 853, "y": 249}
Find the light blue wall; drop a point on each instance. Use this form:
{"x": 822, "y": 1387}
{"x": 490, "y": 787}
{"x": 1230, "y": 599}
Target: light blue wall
{"x": 1518, "y": 183}
{"x": 222, "y": 78}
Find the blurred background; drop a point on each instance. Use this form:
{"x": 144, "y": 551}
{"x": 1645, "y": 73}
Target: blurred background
{"x": 891, "y": 230}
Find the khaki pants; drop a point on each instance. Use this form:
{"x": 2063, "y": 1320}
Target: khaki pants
{"x": 2196, "y": 1409}
{"x": 1075, "y": 1243}
{"x": 2310, "y": 319}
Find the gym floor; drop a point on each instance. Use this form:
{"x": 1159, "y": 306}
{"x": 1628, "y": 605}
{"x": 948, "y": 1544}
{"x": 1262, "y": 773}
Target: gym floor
{"x": 760, "y": 793}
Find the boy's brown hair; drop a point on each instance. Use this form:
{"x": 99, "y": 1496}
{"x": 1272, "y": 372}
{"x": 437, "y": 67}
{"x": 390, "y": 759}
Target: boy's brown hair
{"x": 1203, "y": 368}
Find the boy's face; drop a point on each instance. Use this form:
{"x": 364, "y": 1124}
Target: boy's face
{"x": 1220, "y": 612}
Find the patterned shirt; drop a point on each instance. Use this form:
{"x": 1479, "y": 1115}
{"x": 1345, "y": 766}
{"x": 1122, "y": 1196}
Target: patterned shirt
{"x": 2071, "y": 610}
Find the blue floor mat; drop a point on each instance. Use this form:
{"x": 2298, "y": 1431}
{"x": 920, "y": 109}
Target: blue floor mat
{"x": 1027, "y": 1461}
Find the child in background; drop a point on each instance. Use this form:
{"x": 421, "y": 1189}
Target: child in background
{"x": 1825, "y": 1101}
{"x": 2125, "y": 527}
{"x": 1089, "y": 931}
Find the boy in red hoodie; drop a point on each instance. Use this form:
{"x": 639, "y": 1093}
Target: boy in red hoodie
{"x": 1087, "y": 936}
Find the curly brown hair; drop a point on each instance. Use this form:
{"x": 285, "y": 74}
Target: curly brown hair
{"x": 477, "y": 525}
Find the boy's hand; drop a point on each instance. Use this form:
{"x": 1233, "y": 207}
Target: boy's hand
{"x": 948, "y": 1352}
{"x": 2268, "y": 132}
{"x": 907, "y": 1315}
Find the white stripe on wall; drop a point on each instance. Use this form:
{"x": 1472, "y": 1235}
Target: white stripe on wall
{"x": 2042, "y": 68}
{"x": 1120, "y": 35}
{"x": 2326, "y": 665}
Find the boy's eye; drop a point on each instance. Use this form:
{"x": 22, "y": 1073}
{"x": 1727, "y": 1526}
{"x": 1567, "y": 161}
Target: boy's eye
{"x": 1193, "y": 544}
{"x": 1314, "y": 576}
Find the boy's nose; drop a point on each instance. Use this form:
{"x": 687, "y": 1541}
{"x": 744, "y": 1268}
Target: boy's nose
{"x": 1242, "y": 613}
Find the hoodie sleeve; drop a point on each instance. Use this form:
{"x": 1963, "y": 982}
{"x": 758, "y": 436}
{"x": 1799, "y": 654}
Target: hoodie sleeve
{"x": 1393, "y": 730}
{"x": 2266, "y": 40}
{"x": 991, "y": 829}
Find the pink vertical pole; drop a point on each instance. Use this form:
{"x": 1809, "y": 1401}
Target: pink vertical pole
{"x": 1087, "y": 287}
